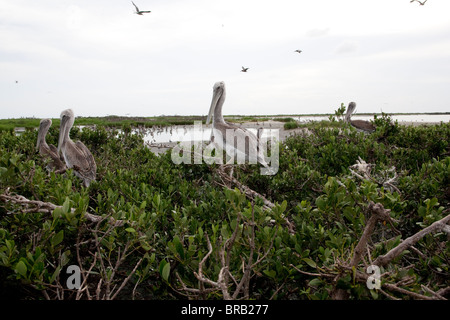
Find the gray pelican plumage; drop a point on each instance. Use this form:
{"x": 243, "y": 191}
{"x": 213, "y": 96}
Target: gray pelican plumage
{"x": 76, "y": 154}
{"x": 244, "y": 69}
{"x": 250, "y": 151}
{"x": 139, "y": 12}
{"x": 49, "y": 152}
{"x": 360, "y": 125}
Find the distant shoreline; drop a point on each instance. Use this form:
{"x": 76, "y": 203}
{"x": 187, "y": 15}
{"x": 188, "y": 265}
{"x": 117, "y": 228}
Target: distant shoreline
{"x": 166, "y": 121}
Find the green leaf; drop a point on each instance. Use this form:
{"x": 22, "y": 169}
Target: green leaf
{"x": 178, "y": 246}
{"x": 66, "y": 205}
{"x": 57, "y": 238}
{"x": 270, "y": 273}
{"x": 65, "y": 257}
{"x": 165, "y": 272}
{"x": 374, "y": 294}
{"x": 21, "y": 268}
{"x": 55, "y": 274}
{"x": 130, "y": 230}
{"x": 310, "y": 262}
{"x": 315, "y": 282}
{"x": 57, "y": 213}
{"x": 321, "y": 203}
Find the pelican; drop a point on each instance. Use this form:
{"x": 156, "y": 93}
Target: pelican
{"x": 220, "y": 127}
{"x": 360, "y": 125}
{"x": 139, "y": 12}
{"x": 244, "y": 69}
{"x": 50, "y": 152}
{"x": 76, "y": 155}
{"x": 299, "y": 51}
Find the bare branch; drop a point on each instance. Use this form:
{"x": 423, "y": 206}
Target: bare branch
{"x": 48, "y": 207}
{"x": 395, "y": 252}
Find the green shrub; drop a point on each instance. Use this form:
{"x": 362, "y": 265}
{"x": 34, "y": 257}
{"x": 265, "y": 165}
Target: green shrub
{"x": 169, "y": 213}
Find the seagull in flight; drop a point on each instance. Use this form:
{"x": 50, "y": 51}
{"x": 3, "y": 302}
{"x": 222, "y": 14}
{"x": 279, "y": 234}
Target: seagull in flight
{"x": 139, "y": 12}
{"x": 420, "y": 2}
{"x": 244, "y": 69}
{"x": 299, "y": 51}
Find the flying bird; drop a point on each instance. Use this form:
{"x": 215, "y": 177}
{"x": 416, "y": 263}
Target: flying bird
{"x": 139, "y": 12}
{"x": 244, "y": 69}
{"x": 250, "y": 150}
{"x": 76, "y": 154}
{"x": 48, "y": 152}
{"x": 299, "y": 51}
{"x": 420, "y": 2}
{"x": 360, "y": 125}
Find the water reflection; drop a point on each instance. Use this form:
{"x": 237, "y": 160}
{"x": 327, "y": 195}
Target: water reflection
{"x": 191, "y": 133}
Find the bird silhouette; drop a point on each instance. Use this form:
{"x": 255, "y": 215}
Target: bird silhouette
{"x": 244, "y": 69}
{"x": 299, "y": 51}
{"x": 420, "y": 2}
{"x": 139, "y": 12}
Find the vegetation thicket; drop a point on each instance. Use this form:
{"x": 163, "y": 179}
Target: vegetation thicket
{"x": 151, "y": 229}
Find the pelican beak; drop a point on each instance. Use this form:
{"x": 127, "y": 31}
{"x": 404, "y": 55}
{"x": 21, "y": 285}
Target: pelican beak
{"x": 62, "y": 129}
{"x": 215, "y": 99}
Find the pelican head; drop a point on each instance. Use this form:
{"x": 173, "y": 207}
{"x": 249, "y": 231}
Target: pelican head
{"x": 217, "y": 102}
{"x": 67, "y": 118}
{"x": 44, "y": 125}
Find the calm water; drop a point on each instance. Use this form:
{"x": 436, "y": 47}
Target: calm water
{"x": 190, "y": 133}
{"x": 415, "y": 118}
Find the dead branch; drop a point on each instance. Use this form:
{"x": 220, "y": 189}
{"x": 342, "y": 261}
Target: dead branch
{"x": 222, "y": 283}
{"x": 364, "y": 172}
{"x": 30, "y": 206}
{"x": 251, "y": 194}
{"x": 379, "y": 213}
{"x": 395, "y": 252}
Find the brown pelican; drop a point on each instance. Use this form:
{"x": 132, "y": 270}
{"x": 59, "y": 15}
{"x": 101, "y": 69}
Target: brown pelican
{"x": 252, "y": 152}
{"x": 360, "y": 125}
{"x": 299, "y": 51}
{"x": 244, "y": 69}
{"x": 139, "y": 12}
{"x": 76, "y": 155}
{"x": 49, "y": 152}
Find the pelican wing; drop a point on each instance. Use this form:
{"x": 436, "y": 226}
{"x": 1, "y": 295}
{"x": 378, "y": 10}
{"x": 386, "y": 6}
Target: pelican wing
{"x": 244, "y": 143}
{"x": 137, "y": 9}
{"x": 59, "y": 156}
{"x": 363, "y": 125}
{"x": 51, "y": 156}
{"x": 90, "y": 161}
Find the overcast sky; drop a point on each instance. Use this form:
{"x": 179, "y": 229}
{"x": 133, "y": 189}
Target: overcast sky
{"x": 99, "y": 58}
